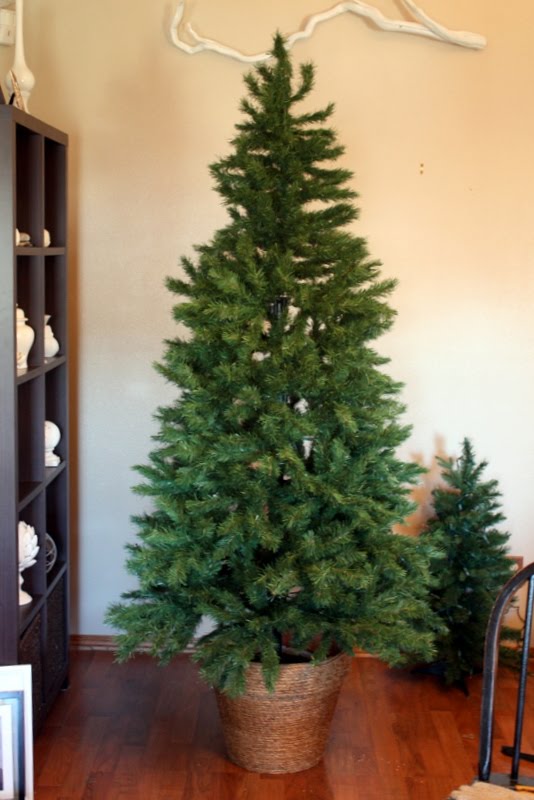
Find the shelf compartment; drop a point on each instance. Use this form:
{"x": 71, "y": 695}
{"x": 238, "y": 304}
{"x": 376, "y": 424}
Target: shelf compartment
{"x": 55, "y": 297}
{"x": 31, "y": 652}
{"x": 30, "y": 289}
{"x": 57, "y": 519}
{"x": 33, "y": 577}
{"x": 28, "y": 491}
{"x": 56, "y": 401}
{"x": 56, "y": 640}
{"x": 29, "y": 184}
{"x": 55, "y": 164}
{"x": 30, "y": 428}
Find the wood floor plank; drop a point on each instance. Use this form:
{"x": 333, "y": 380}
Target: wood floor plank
{"x": 143, "y": 732}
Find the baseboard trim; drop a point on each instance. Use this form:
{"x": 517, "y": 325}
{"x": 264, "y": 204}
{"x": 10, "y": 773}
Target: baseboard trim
{"x": 104, "y": 643}
{"x": 107, "y": 644}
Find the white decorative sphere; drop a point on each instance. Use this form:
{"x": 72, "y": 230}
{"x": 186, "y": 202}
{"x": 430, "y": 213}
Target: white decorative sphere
{"x": 52, "y": 436}
{"x": 50, "y": 552}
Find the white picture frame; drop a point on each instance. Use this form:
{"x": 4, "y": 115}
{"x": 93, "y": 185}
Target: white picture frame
{"x": 16, "y": 732}
{"x": 7, "y": 753}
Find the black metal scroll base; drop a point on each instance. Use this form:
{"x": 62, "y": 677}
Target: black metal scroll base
{"x": 509, "y": 751}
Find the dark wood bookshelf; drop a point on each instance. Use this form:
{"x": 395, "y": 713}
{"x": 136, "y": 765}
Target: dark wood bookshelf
{"x": 33, "y": 197}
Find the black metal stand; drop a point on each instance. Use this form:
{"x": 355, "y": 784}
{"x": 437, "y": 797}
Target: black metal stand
{"x": 491, "y": 654}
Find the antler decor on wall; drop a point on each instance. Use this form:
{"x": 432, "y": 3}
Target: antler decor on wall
{"x": 425, "y": 26}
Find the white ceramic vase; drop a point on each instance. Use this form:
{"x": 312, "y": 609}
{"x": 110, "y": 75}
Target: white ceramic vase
{"x": 25, "y": 339}
{"x": 23, "y": 73}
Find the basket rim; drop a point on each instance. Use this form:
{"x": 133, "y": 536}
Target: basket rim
{"x": 255, "y": 666}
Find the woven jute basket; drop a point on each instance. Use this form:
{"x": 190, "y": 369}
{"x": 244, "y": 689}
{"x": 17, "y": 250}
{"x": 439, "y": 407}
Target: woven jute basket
{"x": 287, "y": 730}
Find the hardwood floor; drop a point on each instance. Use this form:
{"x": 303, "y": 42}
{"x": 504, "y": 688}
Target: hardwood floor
{"x": 144, "y": 732}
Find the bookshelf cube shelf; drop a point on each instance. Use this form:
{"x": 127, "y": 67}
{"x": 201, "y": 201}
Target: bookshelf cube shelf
{"x": 33, "y": 200}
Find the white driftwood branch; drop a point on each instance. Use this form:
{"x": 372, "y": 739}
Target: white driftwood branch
{"x": 425, "y": 26}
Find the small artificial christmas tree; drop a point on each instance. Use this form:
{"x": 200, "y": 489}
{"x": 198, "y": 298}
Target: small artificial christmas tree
{"x": 274, "y": 478}
{"x": 475, "y": 565}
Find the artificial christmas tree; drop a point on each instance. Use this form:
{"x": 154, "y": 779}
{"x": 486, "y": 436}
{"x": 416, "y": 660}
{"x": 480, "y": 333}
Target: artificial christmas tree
{"x": 274, "y": 477}
{"x": 473, "y": 566}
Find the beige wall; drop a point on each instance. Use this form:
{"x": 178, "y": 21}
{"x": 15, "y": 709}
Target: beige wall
{"x": 145, "y": 120}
